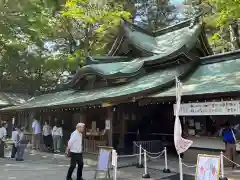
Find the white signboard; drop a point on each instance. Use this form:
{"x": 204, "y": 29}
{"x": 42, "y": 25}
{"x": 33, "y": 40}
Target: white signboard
{"x": 13, "y": 120}
{"x": 107, "y": 124}
{"x": 209, "y": 108}
{"x": 208, "y": 167}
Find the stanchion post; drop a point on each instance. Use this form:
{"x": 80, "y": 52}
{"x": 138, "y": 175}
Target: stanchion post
{"x": 180, "y": 167}
{"x": 115, "y": 167}
{"x": 222, "y": 177}
{"x": 145, "y": 175}
{"x": 140, "y": 165}
{"x": 166, "y": 170}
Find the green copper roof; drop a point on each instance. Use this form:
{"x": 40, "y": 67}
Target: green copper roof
{"x": 164, "y": 44}
{"x": 10, "y": 99}
{"x": 106, "y": 59}
{"x": 108, "y": 70}
{"x": 216, "y": 77}
{"x": 150, "y": 82}
{"x": 161, "y": 47}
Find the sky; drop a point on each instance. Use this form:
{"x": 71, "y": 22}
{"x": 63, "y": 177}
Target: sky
{"x": 177, "y": 1}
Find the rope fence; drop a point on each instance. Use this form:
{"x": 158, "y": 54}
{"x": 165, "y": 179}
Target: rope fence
{"x": 156, "y": 157}
{"x": 222, "y": 157}
{"x": 231, "y": 161}
{"x": 150, "y": 155}
{"x": 189, "y": 166}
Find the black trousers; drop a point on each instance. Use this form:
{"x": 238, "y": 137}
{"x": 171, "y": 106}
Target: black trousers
{"x": 76, "y": 158}
{"x": 14, "y": 150}
{"x": 2, "y": 149}
{"x": 48, "y": 141}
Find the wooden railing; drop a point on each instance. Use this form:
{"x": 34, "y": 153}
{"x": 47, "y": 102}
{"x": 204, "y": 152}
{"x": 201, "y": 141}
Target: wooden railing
{"x": 91, "y": 146}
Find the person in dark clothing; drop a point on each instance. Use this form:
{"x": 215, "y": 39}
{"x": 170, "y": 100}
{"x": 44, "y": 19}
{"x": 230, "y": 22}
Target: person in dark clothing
{"x": 230, "y": 142}
{"x": 47, "y": 135}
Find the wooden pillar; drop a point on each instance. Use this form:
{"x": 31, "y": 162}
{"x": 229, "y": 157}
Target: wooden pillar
{"x": 122, "y": 130}
{"x": 110, "y": 131}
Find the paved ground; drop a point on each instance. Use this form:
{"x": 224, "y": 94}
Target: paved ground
{"x": 49, "y": 170}
{"x": 39, "y": 166}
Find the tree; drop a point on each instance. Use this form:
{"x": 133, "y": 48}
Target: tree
{"x": 26, "y": 58}
{"x": 222, "y": 21}
{"x": 92, "y": 26}
{"x": 155, "y": 14}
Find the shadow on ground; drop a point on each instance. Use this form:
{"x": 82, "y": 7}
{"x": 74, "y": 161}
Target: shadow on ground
{"x": 176, "y": 177}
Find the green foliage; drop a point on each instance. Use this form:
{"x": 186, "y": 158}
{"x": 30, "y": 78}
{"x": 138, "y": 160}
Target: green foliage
{"x": 226, "y": 11}
{"x": 41, "y": 39}
{"x": 25, "y": 62}
{"x": 219, "y": 23}
{"x": 94, "y": 26}
{"x": 155, "y": 14}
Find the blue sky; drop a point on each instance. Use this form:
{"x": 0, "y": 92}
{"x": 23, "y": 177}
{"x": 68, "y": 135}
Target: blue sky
{"x": 177, "y": 1}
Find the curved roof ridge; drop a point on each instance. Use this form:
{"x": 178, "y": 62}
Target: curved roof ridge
{"x": 162, "y": 31}
{"x": 106, "y": 59}
{"x": 165, "y": 44}
{"x": 220, "y": 57}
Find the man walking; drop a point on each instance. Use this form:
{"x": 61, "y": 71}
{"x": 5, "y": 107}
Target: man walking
{"x": 36, "y": 134}
{"x": 75, "y": 150}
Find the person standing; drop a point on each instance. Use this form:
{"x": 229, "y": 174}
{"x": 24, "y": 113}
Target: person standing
{"x": 14, "y": 142}
{"x": 47, "y": 138}
{"x": 36, "y": 134}
{"x": 21, "y": 144}
{"x": 3, "y": 134}
{"x": 57, "y": 136}
{"x": 230, "y": 142}
{"x": 75, "y": 149}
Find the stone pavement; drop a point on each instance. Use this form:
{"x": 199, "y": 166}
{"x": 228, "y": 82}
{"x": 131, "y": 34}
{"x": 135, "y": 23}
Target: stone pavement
{"x": 52, "y": 166}
{"x": 50, "y": 170}
{"x": 39, "y": 165}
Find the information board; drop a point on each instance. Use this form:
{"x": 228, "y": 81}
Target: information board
{"x": 104, "y": 159}
{"x": 208, "y": 167}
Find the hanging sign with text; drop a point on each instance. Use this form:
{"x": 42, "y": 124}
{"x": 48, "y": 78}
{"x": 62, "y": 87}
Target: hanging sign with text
{"x": 209, "y": 108}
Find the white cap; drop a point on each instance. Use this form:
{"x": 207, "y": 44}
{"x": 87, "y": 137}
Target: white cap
{"x": 80, "y": 125}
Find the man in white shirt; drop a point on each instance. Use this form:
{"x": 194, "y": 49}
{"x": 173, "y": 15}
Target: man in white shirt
{"x": 3, "y": 134}
{"x": 75, "y": 150}
{"x": 36, "y": 134}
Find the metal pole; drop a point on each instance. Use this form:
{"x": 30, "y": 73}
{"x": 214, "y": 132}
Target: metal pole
{"x": 180, "y": 167}
{"x": 145, "y": 162}
{"x": 222, "y": 166}
{"x": 140, "y": 155}
{"x": 165, "y": 153}
{"x": 115, "y": 167}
